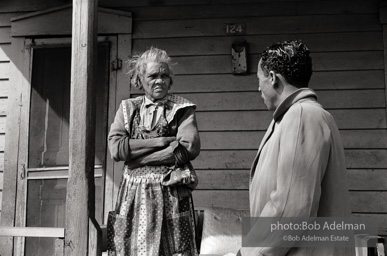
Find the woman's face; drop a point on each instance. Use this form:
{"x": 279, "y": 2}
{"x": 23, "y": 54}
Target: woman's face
{"x": 156, "y": 80}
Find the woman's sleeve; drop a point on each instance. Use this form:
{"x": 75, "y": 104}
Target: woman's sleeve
{"x": 118, "y": 139}
{"x": 187, "y": 145}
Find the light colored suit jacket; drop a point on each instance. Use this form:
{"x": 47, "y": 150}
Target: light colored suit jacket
{"x": 299, "y": 170}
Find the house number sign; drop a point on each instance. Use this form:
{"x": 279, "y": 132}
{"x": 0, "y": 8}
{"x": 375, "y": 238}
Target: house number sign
{"x": 235, "y": 29}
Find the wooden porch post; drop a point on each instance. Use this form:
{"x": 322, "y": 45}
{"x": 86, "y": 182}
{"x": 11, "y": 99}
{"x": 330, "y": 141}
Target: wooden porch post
{"x": 80, "y": 187}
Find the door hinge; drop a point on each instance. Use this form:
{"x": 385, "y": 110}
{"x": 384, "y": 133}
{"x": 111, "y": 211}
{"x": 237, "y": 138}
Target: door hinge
{"x": 116, "y": 64}
{"x": 23, "y": 172}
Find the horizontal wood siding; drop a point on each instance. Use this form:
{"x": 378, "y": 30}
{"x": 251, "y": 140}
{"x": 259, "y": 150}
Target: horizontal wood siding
{"x": 346, "y": 41}
{"x": 232, "y": 179}
{"x": 235, "y": 140}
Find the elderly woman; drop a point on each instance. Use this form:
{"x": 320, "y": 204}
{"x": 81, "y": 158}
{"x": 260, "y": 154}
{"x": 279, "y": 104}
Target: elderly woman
{"x": 156, "y": 136}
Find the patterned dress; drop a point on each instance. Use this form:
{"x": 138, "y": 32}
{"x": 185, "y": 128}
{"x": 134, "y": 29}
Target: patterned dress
{"x": 151, "y": 219}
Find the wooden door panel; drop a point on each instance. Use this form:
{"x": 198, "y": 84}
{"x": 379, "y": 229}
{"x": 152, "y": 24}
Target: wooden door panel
{"x": 50, "y": 105}
{"x": 48, "y": 147}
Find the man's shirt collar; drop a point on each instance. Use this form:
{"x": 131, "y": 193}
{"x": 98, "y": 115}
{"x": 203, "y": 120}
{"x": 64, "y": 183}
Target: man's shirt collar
{"x": 299, "y": 94}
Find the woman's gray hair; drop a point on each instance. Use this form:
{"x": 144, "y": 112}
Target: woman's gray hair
{"x": 137, "y": 64}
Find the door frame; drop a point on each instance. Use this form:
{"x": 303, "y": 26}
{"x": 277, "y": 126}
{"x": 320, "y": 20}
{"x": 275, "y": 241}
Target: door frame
{"x": 23, "y": 153}
{"x": 27, "y": 31}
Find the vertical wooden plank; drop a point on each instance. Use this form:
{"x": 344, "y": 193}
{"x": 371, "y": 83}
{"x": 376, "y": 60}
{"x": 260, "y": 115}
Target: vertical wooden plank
{"x": 20, "y": 79}
{"x": 21, "y": 192}
{"x": 59, "y": 247}
{"x": 109, "y": 178}
{"x": 123, "y": 92}
{"x": 123, "y": 80}
{"x": 95, "y": 238}
{"x": 80, "y": 186}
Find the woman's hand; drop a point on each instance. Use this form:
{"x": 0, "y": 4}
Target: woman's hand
{"x": 134, "y": 164}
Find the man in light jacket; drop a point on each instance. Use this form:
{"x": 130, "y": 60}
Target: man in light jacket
{"x": 300, "y": 169}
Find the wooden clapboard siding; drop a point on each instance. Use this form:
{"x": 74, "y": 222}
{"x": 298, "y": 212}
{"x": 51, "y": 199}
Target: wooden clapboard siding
{"x": 360, "y": 118}
{"x": 242, "y": 159}
{"x": 195, "y": 12}
{"x": 320, "y": 42}
{"x": 1, "y": 187}
{"x": 223, "y": 179}
{"x": 5, "y": 19}
{"x": 259, "y": 120}
{"x": 5, "y": 34}
{"x": 341, "y": 7}
{"x": 232, "y": 140}
{"x": 12, "y": 6}
{"x": 4, "y": 86}
{"x": 233, "y": 120}
{"x": 1, "y": 177}
{"x": 29, "y": 6}
{"x": 5, "y": 50}
{"x": 380, "y": 218}
{"x": 366, "y": 158}
{"x": 259, "y": 25}
{"x": 352, "y": 139}
{"x": 241, "y": 9}
{"x": 336, "y": 80}
{"x": 224, "y": 159}
{"x": 367, "y": 179}
{"x": 124, "y": 3}
{"x": 2, "y": 139}
{"x": 4, "y": 70}
{"x": 358, "y": 179}
{"x": 331, "y": 99}
{"x": 370, "y": 198}
{"x": 258, "y": 1}
{"x": 1, "y": 161}
{"x": 363, "y": 139}
{"x": 239, "y": 199}
{"x": 194, "y": 8}
{"x": 3, "y": 106}
{"x": 348, "y": 64}
{"x": 220, "y": 64}
{"x": 347, "y": 80}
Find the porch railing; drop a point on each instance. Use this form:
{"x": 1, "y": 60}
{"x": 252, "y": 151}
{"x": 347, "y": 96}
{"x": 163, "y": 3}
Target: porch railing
{"x": 95, "y": 236}
{"x": 57, "y": 233}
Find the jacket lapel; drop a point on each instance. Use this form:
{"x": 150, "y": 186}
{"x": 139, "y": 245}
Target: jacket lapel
{"x": 267, "y": 136}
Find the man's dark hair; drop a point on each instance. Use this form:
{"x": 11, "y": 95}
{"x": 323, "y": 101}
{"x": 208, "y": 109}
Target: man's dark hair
{"x": 290, "y": 59}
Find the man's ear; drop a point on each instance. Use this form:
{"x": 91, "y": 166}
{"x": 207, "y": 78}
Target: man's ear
{"x": 273, "y": 77}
